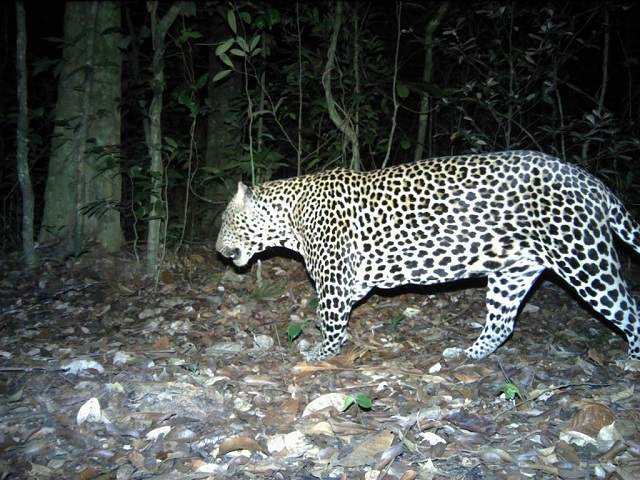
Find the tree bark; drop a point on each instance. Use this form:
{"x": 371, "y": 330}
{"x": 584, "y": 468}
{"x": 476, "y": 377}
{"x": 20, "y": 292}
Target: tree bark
{"x": 343, "y": 124}
{"x": 105, "y": 129}
{"x": 221, "y": 96}
{"x": 426, "y": 79}
{"x": 22, "y": 151}
{"x": 154, "y": 139}
{"x": 85, "y": 147}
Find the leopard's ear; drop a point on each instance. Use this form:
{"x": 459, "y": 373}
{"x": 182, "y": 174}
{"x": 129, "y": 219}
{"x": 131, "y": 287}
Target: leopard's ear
{"x": 244, "y": 193}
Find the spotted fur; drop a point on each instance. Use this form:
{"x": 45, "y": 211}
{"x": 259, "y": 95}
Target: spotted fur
{"x": 507, "y": 216}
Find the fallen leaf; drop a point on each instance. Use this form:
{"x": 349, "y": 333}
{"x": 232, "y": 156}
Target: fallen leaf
{"x": 388, "y": 455}
{"x": 89, "y": 412}
{"x": 591, "y": 419}
{"x": 163, "y": 343}
{"x": 410, "y": 475}
{"x": 597, "y": 356}
{"x": 239, "y": 443}
{"x": 293, "y": 444}
{"x": 156, "y": 432}
{"x": 577, "y": 438}
{"x": 364, "y": 454}
{"x": 496, "y": 455}
{"x": 260, "y": 381}
{"x": 473, "y": 422}
{"x": 328, "y": 400}
{"x": 306, "y": 367}
{"x": 320, "y": 428}
{"x": 607, "y": 436}
{"x": 432, "y": 438}
{"x": 78, "y": 366}
{"x": 345, "y": 427}
{"x": 16, "y": 396}
{"x": 282, "y": 414}
{"x": 470, "y": 377}
{"x": 87, "y": 474}
{"x": 623, "y": 394}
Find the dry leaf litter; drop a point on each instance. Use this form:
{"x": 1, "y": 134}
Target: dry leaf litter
{"x": 106, "y": 374}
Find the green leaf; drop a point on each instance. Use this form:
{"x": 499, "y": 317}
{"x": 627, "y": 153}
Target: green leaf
{"x": 226, "y": 60}
{"x": 220, "y": 75}
{"x": 243, "y": 44}
{"x": 202, "y": 81}
{"x": 237, "y": 52}
{"x": 402, "y": 90}
{"x": 363, "y": 401}
{"x": 231, "y": 20}
{"x": 510, "y": 391}
{"x": 293, "y": 332}
{"x": 223, "y": 47}
{"x": 273, "y": 17}
{"x": 185, "y": 99}
{"x": 187, "y": 34}
{"x": 348, "y": 402}
{"x": 396, "y": 321}
{"x": 254, "y": 42}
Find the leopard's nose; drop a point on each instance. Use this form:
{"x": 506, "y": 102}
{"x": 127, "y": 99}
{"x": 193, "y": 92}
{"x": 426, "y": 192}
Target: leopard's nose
{"x": 231, "y": 253}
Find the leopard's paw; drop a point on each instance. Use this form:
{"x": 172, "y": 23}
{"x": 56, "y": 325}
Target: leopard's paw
{"x": 310, "y": 352}
{"x": 453, "y": 352}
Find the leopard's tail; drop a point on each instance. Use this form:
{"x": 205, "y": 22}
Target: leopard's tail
{"x": 624, "y": 225}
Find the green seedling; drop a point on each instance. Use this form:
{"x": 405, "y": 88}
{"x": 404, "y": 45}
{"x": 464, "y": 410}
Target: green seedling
{"x": 396, "y": 321}
{"x": 361, "y": 400}
{"x": 293, "y": 332}
{"x": 510, "y": 391}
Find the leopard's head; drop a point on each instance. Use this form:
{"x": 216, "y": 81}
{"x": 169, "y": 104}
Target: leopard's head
{"x": 240, "y": 234}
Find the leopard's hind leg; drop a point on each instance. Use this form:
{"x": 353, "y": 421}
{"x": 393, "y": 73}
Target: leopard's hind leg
{"x": 507, "y": 288}
{"x": 593, "y": 269}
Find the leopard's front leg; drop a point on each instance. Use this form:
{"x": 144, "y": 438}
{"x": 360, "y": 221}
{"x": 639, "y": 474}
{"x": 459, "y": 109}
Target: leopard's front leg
{"x": 334, "y": 308}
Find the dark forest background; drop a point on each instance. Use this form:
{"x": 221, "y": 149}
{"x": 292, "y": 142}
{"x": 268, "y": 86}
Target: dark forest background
{"x": 141, "y": 117}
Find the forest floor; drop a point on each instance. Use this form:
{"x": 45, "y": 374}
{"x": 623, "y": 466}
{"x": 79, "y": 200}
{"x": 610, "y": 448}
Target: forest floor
{"x": 105, "y": 374}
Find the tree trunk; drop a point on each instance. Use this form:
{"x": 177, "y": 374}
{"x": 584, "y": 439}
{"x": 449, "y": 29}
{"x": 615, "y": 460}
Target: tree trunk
{"x": 219, "y": 136}
{"x": 22, "y": 151}
{"x": 342, "y": 123}
{"x": 104, "y": 183}
{"x": 426, "y": 79}
{"x": 154, "y": 136}
{"x": 83, "y": 176}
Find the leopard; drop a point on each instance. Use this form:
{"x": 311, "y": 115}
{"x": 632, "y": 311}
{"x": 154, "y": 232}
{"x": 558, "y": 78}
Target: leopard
{"x": 506, "y": 216}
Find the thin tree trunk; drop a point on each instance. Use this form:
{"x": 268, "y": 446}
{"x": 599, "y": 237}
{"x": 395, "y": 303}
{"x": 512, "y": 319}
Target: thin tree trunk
{"x": 221, "y": 96}
{"x": 394, "y": 95}
{"x": 154, "y": 138}
{"x": 300, "y": 107}
{"x": 426, "y": 79}
{"x": 22, "y": 151}
{"x": 355, "y": 165}
{"x": 80, "y": 146}
{"x": 343, "y": 124}
{"x": 605, "y": 60}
